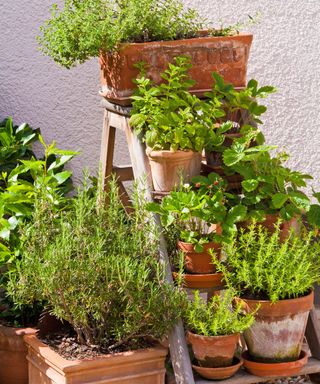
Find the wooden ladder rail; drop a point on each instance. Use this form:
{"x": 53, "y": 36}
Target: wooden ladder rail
{"x": 117, "y": 117}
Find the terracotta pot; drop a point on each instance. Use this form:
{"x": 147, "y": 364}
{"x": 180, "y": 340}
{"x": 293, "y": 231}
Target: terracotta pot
{"x": 219, "y": 373}
{"x": 287, "y": 369}
{"x": 270, "y": 222}
{"x": 167, "y": 168}
{"x": 278, "y": 331}
{"x": 134, "y": 367}
{"x": 213, "y": 351}
{"x": 13, "y": 352}
{"x": 199, "y": 262}
{"x": 207, "y": 280}
{"x": 227, "y": 55}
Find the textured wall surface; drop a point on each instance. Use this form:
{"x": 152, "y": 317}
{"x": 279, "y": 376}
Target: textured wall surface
{"x": 65, "y": 105}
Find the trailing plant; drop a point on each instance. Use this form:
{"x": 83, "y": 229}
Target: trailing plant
{"x": 192, "y": 212}
{"x": 83, "y": 28}
{"x": 222, "y": 315}
{"x": 97, "y": 268}
{"x": 265, "y": 266}
{"x": 167, "y": 116}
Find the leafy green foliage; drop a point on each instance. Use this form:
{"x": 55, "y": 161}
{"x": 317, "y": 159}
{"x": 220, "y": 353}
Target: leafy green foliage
{"x": 85, "y": 27}
{"x": 167, "y": 115}
{"x": 220, "y": 316}
{"x": 193, "y": 211}
{"x": 98, "y": 269}
{"x": 266, "y": 267}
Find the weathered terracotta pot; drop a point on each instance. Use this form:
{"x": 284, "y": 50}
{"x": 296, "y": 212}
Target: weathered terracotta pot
{"x": 227, "y": 55}
{"x": 219, "y": 373}
{"x": 213, "y": 351}
{"x": 199, "y": 262}
{"x": 206, "y": 280}
{"x": 270, "y": 222}
{"x": 13, "y": 352}
{"x": 168, "y": 167}
{"x": 287, "y": 369}
{"x": 134, "y": 367}
{"x": 278, "y": 331}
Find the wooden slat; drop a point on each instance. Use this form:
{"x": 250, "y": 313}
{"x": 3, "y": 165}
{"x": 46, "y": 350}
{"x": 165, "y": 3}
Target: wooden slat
{"x": 313, "y": 334}
{"x": 123, "y": 173}
{"x": 242, "y": 377}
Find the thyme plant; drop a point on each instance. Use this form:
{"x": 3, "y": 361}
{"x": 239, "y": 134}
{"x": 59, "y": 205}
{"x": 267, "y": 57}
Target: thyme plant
{"x": 262, "y": 266}
{"x": 97, "y": 268}
{"x": 220, "y": 316}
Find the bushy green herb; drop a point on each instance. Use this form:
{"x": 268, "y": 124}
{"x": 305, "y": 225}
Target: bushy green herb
{"x": 266, "y": 267}
{"x": 167, "y": 116}
{"x": 83, "y": 28}
{"x": 220, "y": 316}
{"x": 97, "y": 268}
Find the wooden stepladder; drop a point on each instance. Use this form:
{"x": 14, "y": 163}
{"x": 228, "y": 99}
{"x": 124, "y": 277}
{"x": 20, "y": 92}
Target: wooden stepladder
{"x": 117, "y": 118}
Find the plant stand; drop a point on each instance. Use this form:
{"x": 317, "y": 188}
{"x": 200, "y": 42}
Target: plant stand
{"x": 117, "y": 117}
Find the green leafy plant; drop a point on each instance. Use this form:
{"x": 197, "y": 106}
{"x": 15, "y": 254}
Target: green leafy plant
{"x": 220, "y": 316}
{"x": 83, "y": 28}
{"x": 167, "y": 116}
{"x": 193, "y": 211}
{"x": 98, "y": 269}
{"x": 264, "y": 266}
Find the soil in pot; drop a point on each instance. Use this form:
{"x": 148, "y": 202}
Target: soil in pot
{"x": 278, "y": 331}
{"x": 213, "y": 351}
{"x": 169, "y": 168}
{"x": 199, "y": 262}
{"x": 219, "y": 373}
{"x": 227, "y": 55}
{"x": 292, "y": 368}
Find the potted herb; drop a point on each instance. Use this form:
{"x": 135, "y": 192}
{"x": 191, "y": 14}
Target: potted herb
{"x": 124, "y": 33}
{"x": 22, "y": 175}
{"x": 201, "y": 219}
{"x": 97, "y": 269}
{"x": 167, "y": 118}
{"x": 214, "y": 332}
{"x": 278, "y": 275}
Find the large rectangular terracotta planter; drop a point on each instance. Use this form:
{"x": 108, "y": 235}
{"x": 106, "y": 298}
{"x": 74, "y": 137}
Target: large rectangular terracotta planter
{"x": 145, "y": 366}
{"x": 13, "y": 352}
{"x": 227, "y": 55}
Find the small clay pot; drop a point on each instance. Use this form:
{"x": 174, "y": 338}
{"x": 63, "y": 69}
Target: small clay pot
{"x": 219, "y": 373}
{"x": 199, "y": 262}
{"x": 278, "y": 331}
{"x": 287, "y": 369}
{"x": 201, "y": 281}
{"x": 168, "y": 168}
{"x": 270, "y": 222}
{"x": 213, "y": 351}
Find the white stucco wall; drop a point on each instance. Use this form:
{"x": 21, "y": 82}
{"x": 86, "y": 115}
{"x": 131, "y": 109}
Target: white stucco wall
{"x": 65, "y": 104}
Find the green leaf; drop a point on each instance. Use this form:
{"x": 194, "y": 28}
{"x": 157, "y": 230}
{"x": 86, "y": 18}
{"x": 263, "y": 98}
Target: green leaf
{"x": 137, "y": 119}
{"x": 300, "y": 199}
{"x": 62, "y": 176}
{"x": 236, "y": 214}
{"x": 231, "y": 157}
{"x": 313, "y": 215}
{"x": 250, "y": 185}
{"x": 279, "y": 199}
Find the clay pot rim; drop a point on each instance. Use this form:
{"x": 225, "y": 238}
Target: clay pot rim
{"x": 19, "y": 331}
{"x": 203, "y": 34}
{"x": 70, "y": 365}
{"x": 237, "y": 362}
{"x": 169, "y": 153}
{"x": 201, "y": 280}
{"x": 247, "y": 361}
{"x": 206, "y": 246}
{"x": 281, "y": 307}
{"x": 202, "y": 337}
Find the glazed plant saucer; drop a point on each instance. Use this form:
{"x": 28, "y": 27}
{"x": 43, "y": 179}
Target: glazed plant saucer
{"x": 291, "y": 368}
{"x": 219, "y": 373}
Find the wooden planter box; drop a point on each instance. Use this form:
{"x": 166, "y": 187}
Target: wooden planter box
{"x": 227, "y": 55}
{"x": 144, "y": 366}
{"x": 13, "y": 352}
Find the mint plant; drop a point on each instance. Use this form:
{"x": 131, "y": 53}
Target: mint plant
{"x": 264, "y": 266}
{"x": 167, "y": 116}
{"x": 219, "y": 317}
